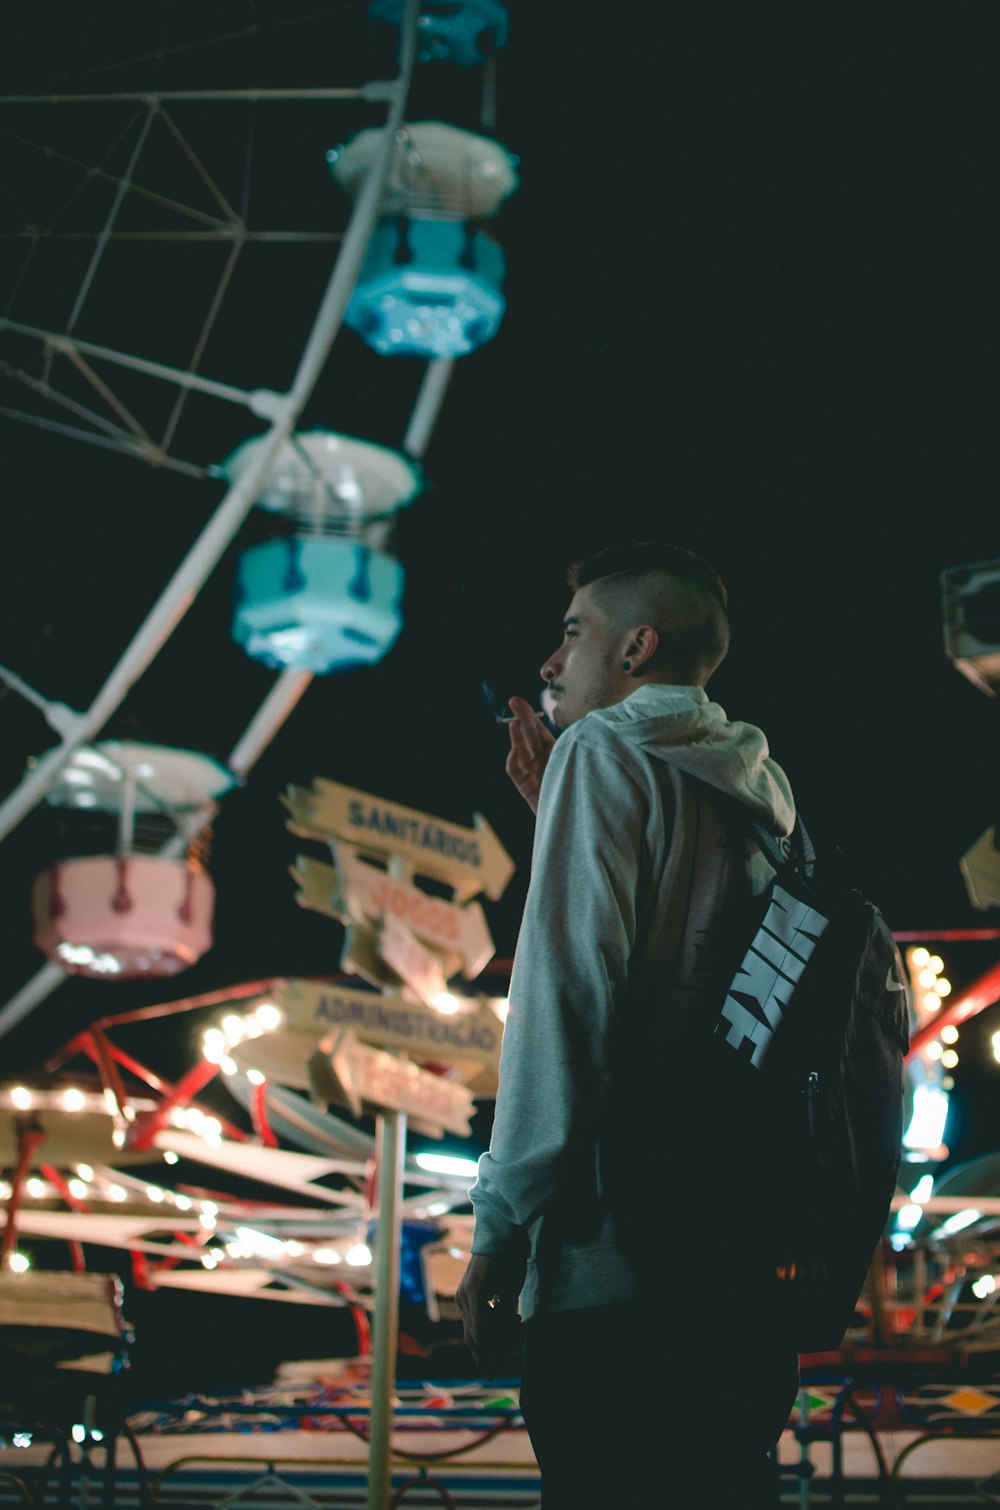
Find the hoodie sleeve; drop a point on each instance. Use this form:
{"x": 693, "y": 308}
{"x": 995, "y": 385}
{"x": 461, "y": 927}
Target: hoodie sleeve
{"x": 570, "y": 971}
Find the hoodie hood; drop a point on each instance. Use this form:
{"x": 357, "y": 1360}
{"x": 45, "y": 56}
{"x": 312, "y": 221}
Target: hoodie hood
{"x": 684, "y": 729}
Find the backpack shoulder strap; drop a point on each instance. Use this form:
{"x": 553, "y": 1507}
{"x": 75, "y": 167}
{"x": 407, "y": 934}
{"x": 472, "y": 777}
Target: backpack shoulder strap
{"x": 795, "y": 853}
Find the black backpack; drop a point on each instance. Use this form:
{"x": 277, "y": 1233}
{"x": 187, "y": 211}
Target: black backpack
{"x": 784, "y": 1114}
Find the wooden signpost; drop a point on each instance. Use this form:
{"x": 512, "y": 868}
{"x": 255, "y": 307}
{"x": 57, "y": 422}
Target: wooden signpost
{"x": 361, "y": 1078}
{"x": 312, "y": 1012}
{"x": 396, "y": 934}
{"x": 471, "y": 860}
{"x": 353, "y": 890}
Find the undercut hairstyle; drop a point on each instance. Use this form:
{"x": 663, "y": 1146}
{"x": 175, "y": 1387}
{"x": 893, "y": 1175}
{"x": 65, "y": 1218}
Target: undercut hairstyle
{"x": 675, "y": 591}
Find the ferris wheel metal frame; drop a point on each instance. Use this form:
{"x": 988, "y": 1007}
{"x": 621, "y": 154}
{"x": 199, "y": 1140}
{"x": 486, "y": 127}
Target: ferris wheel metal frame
{"x": 126, "y": 434}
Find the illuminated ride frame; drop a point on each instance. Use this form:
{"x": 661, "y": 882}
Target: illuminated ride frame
{"x": 919, "y": 1358}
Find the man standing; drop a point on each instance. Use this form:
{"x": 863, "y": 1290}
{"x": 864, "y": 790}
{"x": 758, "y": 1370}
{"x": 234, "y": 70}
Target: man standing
{"x": 635, "y": 1393}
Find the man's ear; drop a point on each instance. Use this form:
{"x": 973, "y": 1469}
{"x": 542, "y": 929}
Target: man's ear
{"x": 642, "y": 646}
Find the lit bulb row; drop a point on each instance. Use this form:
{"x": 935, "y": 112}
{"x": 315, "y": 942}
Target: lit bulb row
{"x": 925, "y": 971}
{"x": 97, "y": 1103}
{"x": 193, "y": 1120}
{"x": 232, "y": 1030}
{"x": 935, "y": 1049}
{"x": 249, "y": 1243}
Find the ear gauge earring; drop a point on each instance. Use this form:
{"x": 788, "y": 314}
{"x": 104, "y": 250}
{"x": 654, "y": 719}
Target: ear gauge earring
{"x": 626, "y": 665}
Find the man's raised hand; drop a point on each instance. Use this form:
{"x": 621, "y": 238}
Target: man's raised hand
{"x": 530, "y": 748}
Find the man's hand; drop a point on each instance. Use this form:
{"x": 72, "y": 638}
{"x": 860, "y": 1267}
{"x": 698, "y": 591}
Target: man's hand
{"x": 530, "y": 748}
{"x": 487, "y": 1298}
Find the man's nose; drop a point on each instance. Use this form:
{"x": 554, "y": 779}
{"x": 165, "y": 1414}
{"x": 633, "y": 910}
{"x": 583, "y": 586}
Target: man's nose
{"x": 550, "y": 668}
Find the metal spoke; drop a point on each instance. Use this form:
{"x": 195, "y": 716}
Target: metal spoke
{"x": 200, "y": 169}
{"x": 96, "y": 171}
{"x": 110, "y": 398}
{"x": 123, "y": 187}
{"x": 219, "y": 237}
{"x": 201, "y": 343}
{"x": 126, "y": 446}
{"x": 47, "y": 391}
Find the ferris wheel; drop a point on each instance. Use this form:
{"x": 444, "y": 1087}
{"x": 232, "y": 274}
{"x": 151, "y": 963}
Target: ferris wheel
{"x": 156, "y": 237}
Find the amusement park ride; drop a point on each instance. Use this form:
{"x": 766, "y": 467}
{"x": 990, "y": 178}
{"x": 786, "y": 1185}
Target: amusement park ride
{"x": 405, "y": 1032}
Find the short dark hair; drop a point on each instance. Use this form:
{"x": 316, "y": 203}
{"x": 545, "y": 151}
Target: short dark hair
{"x": 644, "y": 556}
{"x": 692, "y": 619}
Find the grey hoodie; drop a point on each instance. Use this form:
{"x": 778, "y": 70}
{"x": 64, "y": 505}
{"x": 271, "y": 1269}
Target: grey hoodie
{"x": 634, "y": 870}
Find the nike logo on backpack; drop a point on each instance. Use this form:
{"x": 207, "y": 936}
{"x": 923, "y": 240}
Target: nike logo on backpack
{"x": 770, "y": 971}
{"x": 892, "y": 984}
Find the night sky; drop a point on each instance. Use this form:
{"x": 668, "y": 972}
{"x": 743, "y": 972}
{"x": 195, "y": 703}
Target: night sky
{"x": 752, "y": 309}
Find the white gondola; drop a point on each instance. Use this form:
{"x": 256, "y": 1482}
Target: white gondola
{"x": 326, "y": 595}
{"x": 431, "y": 282}
{"x": 126, "y": 912}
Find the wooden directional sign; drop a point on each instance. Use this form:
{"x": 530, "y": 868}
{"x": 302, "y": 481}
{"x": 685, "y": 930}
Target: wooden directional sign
{"x": 355, "y": 890}
{"x": 980, "y": 866}
{"x": 363, "y": 954}
{"x": 416, "y": 965}
{"x": 316, "y": 1010}
{"x": 469, "y": 859}
{"x": 363, "y": 1078}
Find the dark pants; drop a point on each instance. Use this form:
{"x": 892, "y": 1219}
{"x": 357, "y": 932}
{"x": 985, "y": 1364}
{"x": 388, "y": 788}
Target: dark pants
{"x": 627, "y": 1410}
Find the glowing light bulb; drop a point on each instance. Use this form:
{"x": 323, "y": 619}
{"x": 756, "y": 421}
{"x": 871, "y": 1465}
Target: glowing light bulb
{"x": 117, "y": 1193}
{"x": 73, "y": 1100}
{"x": 85, "y": 1171}
{"x": 926, "y": 978}
{"x": 183, "y": 1202}
{"x": 36, "y": 1188}
{"x": 949, "y": 1033}
{"x": 22, "y": 1098}
{"x": 326, "y": 1256}
{"x": 268, "y": 1016}
{"x": 154, "y": 1194}
{"x": 78, "y": 1188}
{"x": 359, "y": 1256}
{"x": 930, "y": 1001}
{"x": 942, "y": 986}
{"x": 935, "y": 963}
{"x": 169, "y": 1157}
{"x": 919, "y": 956}
{"x": 228, "y": 1065}
{"x": 256, "y": 1078}
{"x": 949, "y": 1059}
{"x": 446, "y": 1003}
{"x": 232, "y": 1026}
{"x": 933, "y": 1049}
{"x": 20, "y": 1263}
{"x": 213, "y": 1045}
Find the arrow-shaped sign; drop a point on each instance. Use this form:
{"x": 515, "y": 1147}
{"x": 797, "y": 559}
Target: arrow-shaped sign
{"x": 980, "y": 866}
{"x": 359, "y": 1077}
{"x": 353, "y": 890}
{"x": 363, "y": 954}
{"x": 417, "y": 966}
{"x": 314, "y": 1012}
{"x": 469, "y": 859}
